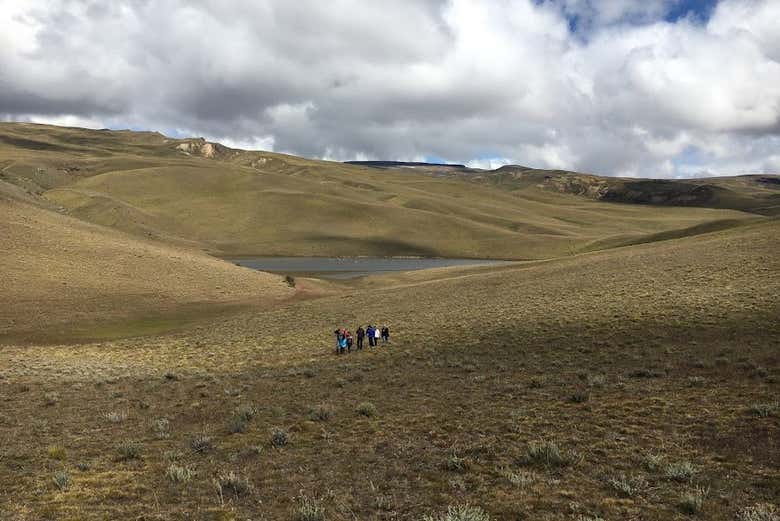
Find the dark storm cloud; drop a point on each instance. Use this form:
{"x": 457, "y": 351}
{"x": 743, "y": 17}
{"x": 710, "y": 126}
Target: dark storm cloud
{"x": 621, "y": 91}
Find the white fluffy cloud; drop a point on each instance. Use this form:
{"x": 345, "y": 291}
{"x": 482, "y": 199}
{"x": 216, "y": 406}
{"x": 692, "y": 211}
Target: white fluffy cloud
{"x": 608, "y": 87}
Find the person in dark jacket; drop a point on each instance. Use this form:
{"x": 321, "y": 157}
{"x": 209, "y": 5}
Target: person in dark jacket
{"x": 385, "y": 334}
{"x": 361, "y": 334}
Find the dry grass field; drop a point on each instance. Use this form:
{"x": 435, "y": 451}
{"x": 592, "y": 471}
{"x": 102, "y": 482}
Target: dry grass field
{"x": 231, "y": 202}
{"x": 638, "y": 382}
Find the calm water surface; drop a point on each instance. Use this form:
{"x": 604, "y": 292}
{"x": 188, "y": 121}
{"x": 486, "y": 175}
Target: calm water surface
{"x": 349, "y": 267}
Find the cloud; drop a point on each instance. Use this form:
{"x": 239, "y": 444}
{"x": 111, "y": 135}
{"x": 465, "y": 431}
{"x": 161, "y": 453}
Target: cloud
{"x": 623, "y": 91}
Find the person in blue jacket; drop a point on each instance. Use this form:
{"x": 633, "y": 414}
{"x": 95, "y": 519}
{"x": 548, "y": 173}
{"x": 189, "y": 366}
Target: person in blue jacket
{"x": 370, "y": 335}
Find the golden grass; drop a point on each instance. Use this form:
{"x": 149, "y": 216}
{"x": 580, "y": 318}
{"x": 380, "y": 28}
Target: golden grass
{"x": 482, "y": 364}
{"x": 259, "y": 203}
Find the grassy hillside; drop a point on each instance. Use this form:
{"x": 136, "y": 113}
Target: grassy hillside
{"x": 65, "y": 279}
{"x": 231, "y": 202}
{"x": 622, "y": 384}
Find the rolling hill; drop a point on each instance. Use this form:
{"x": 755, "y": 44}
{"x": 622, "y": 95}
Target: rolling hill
{"x": 232, "y": 202}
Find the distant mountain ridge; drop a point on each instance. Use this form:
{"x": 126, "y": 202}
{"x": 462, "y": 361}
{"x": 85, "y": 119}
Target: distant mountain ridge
{"x": 395, "y": 164}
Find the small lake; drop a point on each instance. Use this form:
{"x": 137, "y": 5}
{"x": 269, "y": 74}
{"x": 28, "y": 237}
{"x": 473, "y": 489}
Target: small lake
{"x": 350, "y": 267}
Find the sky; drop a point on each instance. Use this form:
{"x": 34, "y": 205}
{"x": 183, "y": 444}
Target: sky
{"x": 651, "y": 88}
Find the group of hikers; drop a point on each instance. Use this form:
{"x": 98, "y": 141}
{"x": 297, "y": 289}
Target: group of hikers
{"x": 374, "y": 334}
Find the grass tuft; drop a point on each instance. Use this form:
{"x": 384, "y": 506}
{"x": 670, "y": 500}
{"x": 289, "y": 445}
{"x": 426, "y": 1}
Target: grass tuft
{"x": 366, "y": 409}
{"x": 279, "y": 437}
{"x": 764, "y": 410}
{"x": 178, "y": 473}
{"x": 129, "y": 450}
{"x": 57, "y": 452}
{"x": 115, "y": 416}
{"x": 548, "y": 454}
{"x": 759, "y": 512}
{"x": 320, "y": 413}
{"x": 201, "y": 443}
{"x": 61, "y": 480}
{"x": 680, "y": 471}
{"x": 460, "y": 513}
{"x": 232, "y": 483}
{"x": 693, "y": 501}
{"x": 627, "y": 486}
{"x": 309, "y": 509}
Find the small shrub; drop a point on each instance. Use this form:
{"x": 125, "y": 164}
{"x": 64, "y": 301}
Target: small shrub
{"x": 83, "y": 466}
{"x": 161, "y": 428}
{"x": 237, "y": 424}
{"x": 582, "y": 517}
{"x": 536, "y": 383}
{"x": 232, "y": 483}
{"x": 290, "y": 280}
{"x": 627, "y": 486}
{"x": 763, "y": 410}
{"x": 645, "y": 373}
{"x": 653, "y": 462}
{"x": 115, "y": 416}
{"x": 596, "y": 380}
{"x": 246, "y": 411}
{"x": 320, "y": 413}
{"x": 171, "y": 376}
{"x": 309, "y": 372}
{"x": 279, "y": 437}
{"x": 760, "y": 512}
{"x": 692, "y": 502}
{"x": 309, "y": 509}
{"x": 460, "y": 513}
{"x": 51, "y": 398}
{"x": 57, "y": 452}
{"x": 129, "y": 450}
{"x": 696, "y": 381}
{"x": 179, "y": 474}
{"x": 366, "y": 409}
{"x": 455, "y": 463}
{"x": 518, "y": 479}
{"x": 61, "y": 480}
{"x": 201, "y": 443}
{"x": 681, "y": 471}
{"x": 548, "y": 453}
{"x": 580, "y": 397}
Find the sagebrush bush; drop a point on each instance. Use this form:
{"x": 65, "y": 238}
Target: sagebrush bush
{"x": 179, "y": 474}
{"x": 460, "y": 513}
{"x": 61, "y": 479}
{"x": 366, "y": 409}
{"x": 279, "y": 437}
{"x": 309, "y": 509}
